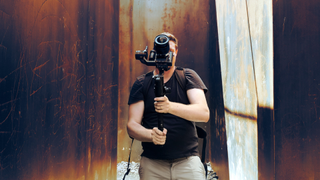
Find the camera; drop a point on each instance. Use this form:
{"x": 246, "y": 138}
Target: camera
{"x": 160, "y": 56}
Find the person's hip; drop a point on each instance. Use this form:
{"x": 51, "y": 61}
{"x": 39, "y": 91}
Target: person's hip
{"x": 186, "y": 168}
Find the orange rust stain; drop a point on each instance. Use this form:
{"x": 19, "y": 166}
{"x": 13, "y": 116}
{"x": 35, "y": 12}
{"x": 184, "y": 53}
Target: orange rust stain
{"x": 40, "y": 66}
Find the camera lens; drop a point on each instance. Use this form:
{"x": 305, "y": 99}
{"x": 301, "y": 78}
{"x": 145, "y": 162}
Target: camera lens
{"x": 162, "y": 39}
{"x": 161, "y": 45}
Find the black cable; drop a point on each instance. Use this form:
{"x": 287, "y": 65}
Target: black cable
{"x": 128, "y": 169}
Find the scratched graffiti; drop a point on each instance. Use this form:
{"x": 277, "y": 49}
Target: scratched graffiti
{"x": 58, "y": 118}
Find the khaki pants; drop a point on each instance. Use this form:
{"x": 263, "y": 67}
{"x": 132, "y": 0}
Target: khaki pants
{"x": 188, "y": 168}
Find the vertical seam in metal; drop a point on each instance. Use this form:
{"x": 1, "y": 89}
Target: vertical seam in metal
{"x": 253, "y": 67}
{"x": 255, "y": 81}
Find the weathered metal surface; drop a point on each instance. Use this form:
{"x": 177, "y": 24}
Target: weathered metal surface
{"x": 247, "y": 78}
{"x": 58, "y": 89}
{"x": 218, "y": 139}
{"x": 297, "y": 89}
{"x": 194, "y": 24}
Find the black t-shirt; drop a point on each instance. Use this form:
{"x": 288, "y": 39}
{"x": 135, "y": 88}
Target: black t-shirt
{"x": 182, "y": 139}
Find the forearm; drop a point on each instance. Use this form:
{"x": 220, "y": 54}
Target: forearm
{"x": 191, "y": 112}
{"x": 137, "y": 131}
{"x": 142, "y": 134}
{"x": 196, "y": 111}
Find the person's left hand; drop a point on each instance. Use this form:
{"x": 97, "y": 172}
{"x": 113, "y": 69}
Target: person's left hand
{"x": 162, "y": 104}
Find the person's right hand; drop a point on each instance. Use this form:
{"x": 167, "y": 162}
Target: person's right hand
{"x": 158, "y": 137}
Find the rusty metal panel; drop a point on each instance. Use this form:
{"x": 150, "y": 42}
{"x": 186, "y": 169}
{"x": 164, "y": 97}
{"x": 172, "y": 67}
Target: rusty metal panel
{"x": 58, "y": 89}
{"x": 247, "y": 78}
{"x": 218, "y": 139}
{"x": 297, "y": 89}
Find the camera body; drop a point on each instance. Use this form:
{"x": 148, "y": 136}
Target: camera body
{"x": 160, "y": 56}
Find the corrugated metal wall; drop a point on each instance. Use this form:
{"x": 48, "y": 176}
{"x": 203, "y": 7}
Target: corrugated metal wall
{"x": 59, "y": 85}
{"x": 245, "y": 41}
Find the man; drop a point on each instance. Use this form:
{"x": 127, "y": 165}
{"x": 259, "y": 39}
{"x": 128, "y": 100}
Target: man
{"x": 173, "y": 152}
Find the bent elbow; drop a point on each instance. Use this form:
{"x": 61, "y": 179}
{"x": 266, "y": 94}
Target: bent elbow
{"x": 206, "y": 115}
{"x": 129, "y": 129}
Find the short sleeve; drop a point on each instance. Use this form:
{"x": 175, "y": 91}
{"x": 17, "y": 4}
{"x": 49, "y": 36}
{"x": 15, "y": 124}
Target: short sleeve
{"x": 136, "y": 93}
{"x": 194, "y": 80}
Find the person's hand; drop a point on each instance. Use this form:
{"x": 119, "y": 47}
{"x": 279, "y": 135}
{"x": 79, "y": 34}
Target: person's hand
{"x": 162, "y": 104}
{"x": 159, "y": 137}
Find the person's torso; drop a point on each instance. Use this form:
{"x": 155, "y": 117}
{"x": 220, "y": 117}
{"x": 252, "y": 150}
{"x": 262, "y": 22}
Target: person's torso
{"x": 181, "y": 138}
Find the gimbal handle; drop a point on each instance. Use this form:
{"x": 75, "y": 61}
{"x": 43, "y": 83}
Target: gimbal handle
{"x": 159, "y": 92}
